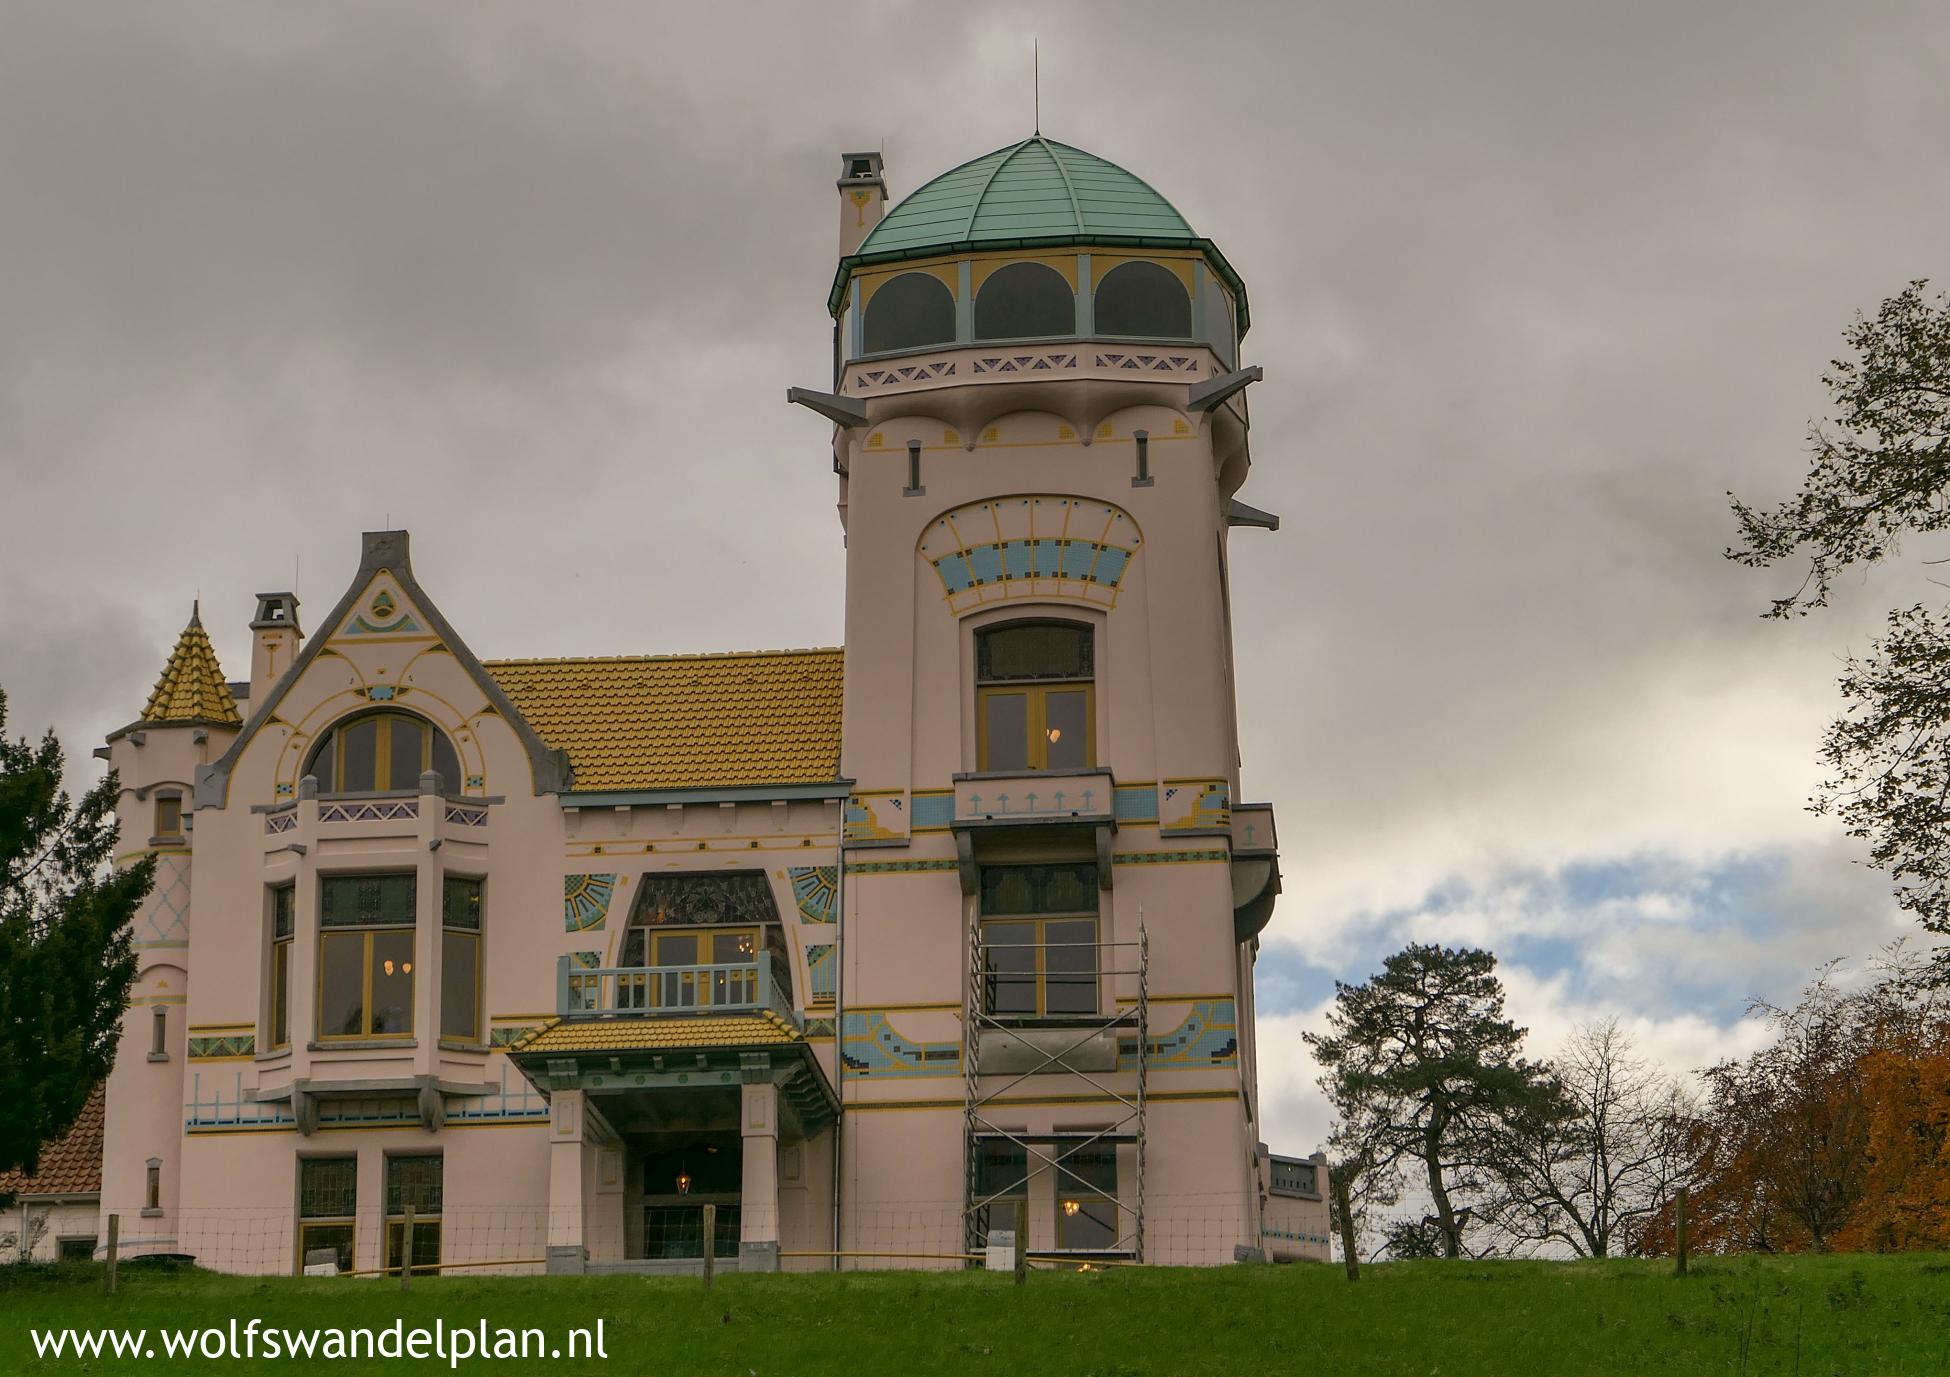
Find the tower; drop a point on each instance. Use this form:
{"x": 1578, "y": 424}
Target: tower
{"x": 190, "y": 718}
{"x": 1040, "y": 426}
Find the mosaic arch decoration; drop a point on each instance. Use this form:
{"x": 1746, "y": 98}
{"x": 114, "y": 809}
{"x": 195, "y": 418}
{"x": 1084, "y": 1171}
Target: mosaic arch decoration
{"x": 585, "y": 901}
{"x": 381, "y": 616}
{"x": 1031, "y": 546}
{"x": 815, "y": 889}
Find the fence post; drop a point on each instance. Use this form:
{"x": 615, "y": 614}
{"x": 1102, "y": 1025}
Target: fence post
{"x": 1022, "y": 1241}
{"x": 1679, "y": 1233}
{"x": 710, "y": 1244}
{"x": 114, "y": 1246}
{"x": 1337, "y": 1183}
{"x": 406, "y": 1251}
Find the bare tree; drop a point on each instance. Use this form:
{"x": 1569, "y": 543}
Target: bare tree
{"x": 1589, "y": 1175}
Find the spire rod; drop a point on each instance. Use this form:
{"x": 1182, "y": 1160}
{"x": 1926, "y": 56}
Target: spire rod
{"x": 1036, "y": 81}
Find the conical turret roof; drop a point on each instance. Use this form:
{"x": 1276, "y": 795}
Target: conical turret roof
{"x": 192, "y": 687}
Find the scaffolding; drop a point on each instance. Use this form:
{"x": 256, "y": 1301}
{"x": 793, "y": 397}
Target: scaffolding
{"x": 1031, "y": 1047}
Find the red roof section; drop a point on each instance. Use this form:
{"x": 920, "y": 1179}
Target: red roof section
{"x": 71, "y": 1164}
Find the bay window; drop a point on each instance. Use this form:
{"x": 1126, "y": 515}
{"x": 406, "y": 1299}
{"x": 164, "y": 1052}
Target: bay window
{"x": 460, "y": 959}
{"x": 283, "y": 923}
{"x": 365, "y": 955}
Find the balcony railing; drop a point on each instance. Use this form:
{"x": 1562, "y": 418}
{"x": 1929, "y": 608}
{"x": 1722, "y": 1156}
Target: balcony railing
{"x": 613, "y": 991}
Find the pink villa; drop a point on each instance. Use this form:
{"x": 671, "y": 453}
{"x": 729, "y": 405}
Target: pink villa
{"x": 868, "y": 949}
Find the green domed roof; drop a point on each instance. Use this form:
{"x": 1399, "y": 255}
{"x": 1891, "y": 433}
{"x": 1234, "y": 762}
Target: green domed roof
{"x": 1034, "y": 193}
{"x": 1035, "y": 189}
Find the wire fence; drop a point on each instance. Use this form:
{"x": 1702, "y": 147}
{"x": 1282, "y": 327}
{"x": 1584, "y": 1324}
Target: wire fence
{"x": 625, "y": 1236}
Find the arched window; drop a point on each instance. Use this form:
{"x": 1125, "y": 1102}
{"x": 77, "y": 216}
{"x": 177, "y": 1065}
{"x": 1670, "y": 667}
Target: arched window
{"x": 1218, "y": 324}
{"x": 912, "y": 311}
{"x": 1035, "y": 699}
{"x": 1143, "y": 299}
{"x": 382, "y": 751}
{"x": 1025, "y": 301}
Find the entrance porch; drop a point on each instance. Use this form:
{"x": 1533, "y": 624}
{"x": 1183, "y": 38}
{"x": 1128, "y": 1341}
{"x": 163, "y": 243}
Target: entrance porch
{"x": 653, "y": 1116}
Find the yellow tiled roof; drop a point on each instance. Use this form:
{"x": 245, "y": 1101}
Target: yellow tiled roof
{"x": 192, "y": 687}
{"x": 623, "y": 1034}
{"x": 685, "y": 721}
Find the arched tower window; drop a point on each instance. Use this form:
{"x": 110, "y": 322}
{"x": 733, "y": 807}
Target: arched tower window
{"x": 1035, "y": 696}
{"x": 380, "y": 751}
{"x": 1025, "y": 301}
{"x": 1143, "y": 299}
{"x": 912, "y": 311}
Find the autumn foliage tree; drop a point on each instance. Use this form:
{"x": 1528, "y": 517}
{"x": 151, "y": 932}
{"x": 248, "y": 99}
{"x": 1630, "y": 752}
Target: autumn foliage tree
{"x": 1836, "y": 1134}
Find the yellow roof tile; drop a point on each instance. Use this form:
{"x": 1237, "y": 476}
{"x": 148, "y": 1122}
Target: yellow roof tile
{"x": 624, "y": 1034}
{"x": 685, "y": 721}
{"x": 192, "y": 687}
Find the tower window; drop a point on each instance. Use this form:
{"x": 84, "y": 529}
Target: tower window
{"x": 1035, "y": 698}
{"x": 152, "y": 1187}
{"x": 1039, "y": 939}
{"x": 1025, "y": 301}
{"x": 911, "y": 311}
{"x": 1145, "y": 300}
{"x": 159, "y": 1034}
{"x": 169, "y": 815}
{"x": 382, "y": 751}
{"x": 1086, "y": 1198}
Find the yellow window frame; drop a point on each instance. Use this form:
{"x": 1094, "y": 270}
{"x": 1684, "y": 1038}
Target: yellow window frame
{"x": 473, "y": 1036}
{"x": 1036, "y": 715}
{"x": 382, "y": 760}
{"x": 1038, "y": 922}
{"x": 708, "y": 941}
{"x": 305, "y": 1227}
{"x": 280, "y": 994}
{"x": 365, "y": 985}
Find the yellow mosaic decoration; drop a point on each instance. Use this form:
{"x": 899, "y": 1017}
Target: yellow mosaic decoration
{"x": 619, "y": 1034}
{"x": 192, "y": 687}
{"x": 685, "y": 721}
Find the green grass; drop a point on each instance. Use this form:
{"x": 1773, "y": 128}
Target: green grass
{"x": 1805, "y": 1316}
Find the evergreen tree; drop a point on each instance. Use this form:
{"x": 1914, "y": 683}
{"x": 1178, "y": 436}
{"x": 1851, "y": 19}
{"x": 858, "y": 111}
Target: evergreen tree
{"x": 66, "y": 960}
{"x": 1424, "y": 1071}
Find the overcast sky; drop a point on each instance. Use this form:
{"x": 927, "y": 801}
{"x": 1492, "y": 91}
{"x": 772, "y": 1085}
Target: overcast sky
{"x": 1533, "y": 285}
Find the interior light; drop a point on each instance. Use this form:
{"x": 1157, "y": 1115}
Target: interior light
{"x": 683, "y": 1183}
{"x": 1070, "y": 1207}
{"x": 406, "y": 967}
{"x": 1055, "y": 733}
{"x": 389, "y": 965}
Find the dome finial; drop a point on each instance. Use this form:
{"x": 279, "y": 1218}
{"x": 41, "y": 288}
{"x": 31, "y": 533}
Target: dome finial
{"x": 1036, "y": 83}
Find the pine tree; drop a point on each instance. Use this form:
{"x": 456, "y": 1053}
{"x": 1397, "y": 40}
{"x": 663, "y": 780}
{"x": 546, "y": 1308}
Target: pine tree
{"x": 66, "y": 960}
{"x": 1424, "y": 1071}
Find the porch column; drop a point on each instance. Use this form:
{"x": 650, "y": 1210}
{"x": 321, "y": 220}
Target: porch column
{"x": 567, "y": 1122}
{"x": 758, "y": 1205}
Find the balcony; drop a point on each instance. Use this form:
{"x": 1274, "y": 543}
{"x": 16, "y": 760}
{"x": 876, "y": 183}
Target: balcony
{"x": 595, "y": 992}
{"x": 1034, "y": 797}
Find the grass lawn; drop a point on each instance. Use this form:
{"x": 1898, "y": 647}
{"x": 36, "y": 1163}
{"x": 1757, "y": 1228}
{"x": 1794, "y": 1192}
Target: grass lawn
{"x": 1805, "y": 1316}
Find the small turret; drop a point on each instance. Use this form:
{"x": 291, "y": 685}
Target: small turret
{"x": 192, "y": 688}
{"x": 863, "y": 196}
{"x": 275, "y": 638}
